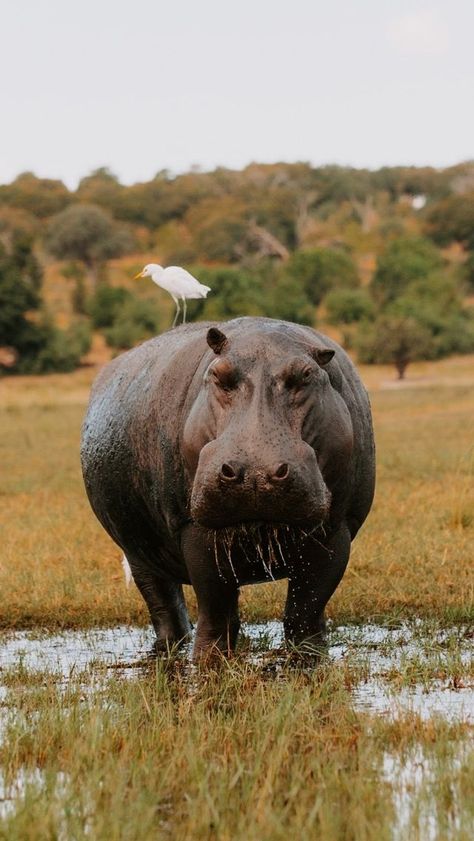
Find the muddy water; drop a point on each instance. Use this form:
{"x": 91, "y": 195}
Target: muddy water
{"x": 383, "y": 652}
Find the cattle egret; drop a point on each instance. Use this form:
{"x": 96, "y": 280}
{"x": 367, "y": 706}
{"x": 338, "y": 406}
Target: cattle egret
{"x": 178, "y": 282}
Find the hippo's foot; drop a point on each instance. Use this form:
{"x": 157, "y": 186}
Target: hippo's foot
{"x": 212, "y": 641}
{"x": 308, "y": 653}
{"x": 166, "y": 648}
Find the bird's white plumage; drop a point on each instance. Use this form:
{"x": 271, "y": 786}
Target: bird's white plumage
{"x": 180, "y": 284}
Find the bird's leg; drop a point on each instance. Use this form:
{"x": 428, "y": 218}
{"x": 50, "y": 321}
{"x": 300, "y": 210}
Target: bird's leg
{"x": 184, "y": 310}
{"x": 177, "y": 310}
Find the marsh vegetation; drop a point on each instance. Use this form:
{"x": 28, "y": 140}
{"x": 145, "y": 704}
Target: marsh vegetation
{"x": 98, "y": 741}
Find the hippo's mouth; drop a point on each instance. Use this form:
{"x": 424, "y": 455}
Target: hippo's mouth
{"x": 308, "y": 520}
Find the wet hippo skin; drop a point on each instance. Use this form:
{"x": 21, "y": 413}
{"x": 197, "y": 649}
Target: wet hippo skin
{"x": 226, "y": 454}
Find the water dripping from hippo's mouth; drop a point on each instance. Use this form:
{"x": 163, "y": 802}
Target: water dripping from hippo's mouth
{"x": 272, "y": 546}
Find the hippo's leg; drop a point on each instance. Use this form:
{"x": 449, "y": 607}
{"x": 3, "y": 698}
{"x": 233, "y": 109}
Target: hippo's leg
{"x": 217, "y": 597}
{"x": 165, "y": 601}
{"x": 311, "y": 584}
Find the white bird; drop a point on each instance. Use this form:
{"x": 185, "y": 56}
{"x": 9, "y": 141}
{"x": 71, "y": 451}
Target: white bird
{"x": 178, "y": 282}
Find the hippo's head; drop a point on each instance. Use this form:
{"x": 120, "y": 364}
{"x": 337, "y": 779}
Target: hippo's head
{"x": 268, "y": 435}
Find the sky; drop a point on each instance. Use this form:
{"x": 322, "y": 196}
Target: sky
{"x": 146, "y": 85}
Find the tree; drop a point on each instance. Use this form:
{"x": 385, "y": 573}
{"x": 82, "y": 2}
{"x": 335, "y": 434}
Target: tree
{"x": 394, "y": 339}
{"x": 86, "y": 233}
{"x": 452, "y": 219}
{"x": 217, "y": 227}
{"x": 284, "y": 299}
{"x": 39, "y": 196}
{"x": 265, "y": 290}
{"x": 468, "y": 272}
{"x": 101, "y": 188}
{"x": 35, "y": 344}
{"x": 19, "y": 295}
{"x": 136, "y": 321}
{"x": 234, "y": 292}
{"x": 347, "y": 306}
{"x": 436, "y": 304}
{"x": 318, "y": 270}
{"x": 106, "y": 304}
{"x": 15, "y": 223}
{"x": 404, "y": 261}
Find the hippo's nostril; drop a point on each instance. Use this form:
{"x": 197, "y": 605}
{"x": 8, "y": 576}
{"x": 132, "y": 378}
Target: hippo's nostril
{"x": 230, "y": 472}
{"x": 281, "y": 472}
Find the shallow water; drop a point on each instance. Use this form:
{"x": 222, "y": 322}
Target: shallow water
{"x": 388, "y": 677}
{"x": 382, "y": 652}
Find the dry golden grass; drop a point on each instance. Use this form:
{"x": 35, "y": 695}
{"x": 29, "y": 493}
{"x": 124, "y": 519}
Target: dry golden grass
{"x": 225, "y": 754}
{"x": 413, "y": 557}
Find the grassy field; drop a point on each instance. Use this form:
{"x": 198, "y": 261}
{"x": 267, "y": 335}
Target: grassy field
{"x": 227, "y": 755}
{"x": 413, "y": 557}
{"x": 240, "y": 750}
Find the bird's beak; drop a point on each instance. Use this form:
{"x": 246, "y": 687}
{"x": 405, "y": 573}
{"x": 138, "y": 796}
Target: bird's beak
{"x": 140, "y": 274}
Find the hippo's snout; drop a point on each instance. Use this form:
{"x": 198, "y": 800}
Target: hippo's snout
{"x": 242, "y": 489}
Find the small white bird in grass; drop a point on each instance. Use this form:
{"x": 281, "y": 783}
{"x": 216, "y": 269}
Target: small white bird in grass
{"x": 178, "y": 282}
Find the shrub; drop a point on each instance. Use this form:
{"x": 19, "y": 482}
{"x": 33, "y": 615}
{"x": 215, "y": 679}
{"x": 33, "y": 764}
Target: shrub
{"x": 106, "y": 304}
{"x": 138, "y": 320}
{"x": 319, "y": 270}
{"x": 404, "y": 261}
{"x": 468, "y": 273}
{"x": 347, "y": 306}
{"x": 235, "y": 292}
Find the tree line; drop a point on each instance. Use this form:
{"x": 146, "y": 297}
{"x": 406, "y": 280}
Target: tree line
{"x": 284, "y": 240}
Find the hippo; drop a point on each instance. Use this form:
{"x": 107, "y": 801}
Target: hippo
{"x": 226, "y": 454}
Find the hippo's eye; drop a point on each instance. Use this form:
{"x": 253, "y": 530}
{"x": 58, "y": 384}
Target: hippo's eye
{"x": 298, "y": 379}
{"x": 304, "y": 377}
{"x": 224, "y": 376}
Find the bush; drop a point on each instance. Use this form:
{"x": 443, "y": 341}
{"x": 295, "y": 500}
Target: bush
{"x": 405, "y": 261}
{"x": 452, "y": 219}
{"x": 138, "y": 320}
{"x": 319, "y": 270}
{"x": 235, "y": 292}
{"x": 265, "y": 291}
{"x": 286, "y": 300}
{"x": 468, "y": 273}
{"x": 47, "y": 349}
{"x": 86, "y": 233}
{"x": 106, "y": 304}
{"x": 347, "y": 306}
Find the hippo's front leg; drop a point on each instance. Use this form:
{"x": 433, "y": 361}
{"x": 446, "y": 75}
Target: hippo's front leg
{"x": 217, "y": 596}
{"x": 311, "y": 583}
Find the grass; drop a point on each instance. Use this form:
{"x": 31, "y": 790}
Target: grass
{"x": 413, "y": 557}
{"x": 240, "y": 750}
{"x": 223, "y": 754}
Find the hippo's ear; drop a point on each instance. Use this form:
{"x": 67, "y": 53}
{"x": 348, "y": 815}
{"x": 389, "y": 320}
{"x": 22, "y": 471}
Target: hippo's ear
{"x": 322, "y": 355}
{"x": 216, "y": 340}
